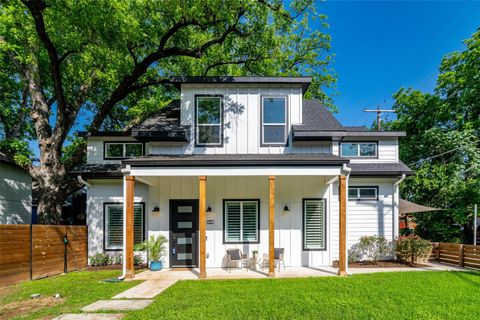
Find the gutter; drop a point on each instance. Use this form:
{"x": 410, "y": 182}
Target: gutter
{"x": 395, "y": 218}
{"x": 346, "y": 170}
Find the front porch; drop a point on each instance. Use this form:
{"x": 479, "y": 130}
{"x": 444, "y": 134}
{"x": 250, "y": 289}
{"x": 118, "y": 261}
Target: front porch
{"x": 262, "y": 192}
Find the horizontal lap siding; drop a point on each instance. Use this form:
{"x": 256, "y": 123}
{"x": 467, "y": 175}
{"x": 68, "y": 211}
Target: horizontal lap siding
{"x": 387, "y": 149}
{"x": 15, "y": 195}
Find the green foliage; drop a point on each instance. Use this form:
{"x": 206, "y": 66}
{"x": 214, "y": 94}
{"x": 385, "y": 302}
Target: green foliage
{"x": 100, "y": 259}
{"x": 443, "y": 146}
{"x": 384, "y": 295}
{"x": 370, "y": 248}
{"x": 77, "y": 289}
{"x": 412, "y": 249}
{"x": 155, "y": 247}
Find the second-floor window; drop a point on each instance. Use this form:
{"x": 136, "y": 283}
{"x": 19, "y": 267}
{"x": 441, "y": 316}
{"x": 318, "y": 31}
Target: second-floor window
{"x": 274, "y": 120}
{"x": 123, "y": 150}
{"x": 208, "y": 121}
{"x": 359, "y": 149}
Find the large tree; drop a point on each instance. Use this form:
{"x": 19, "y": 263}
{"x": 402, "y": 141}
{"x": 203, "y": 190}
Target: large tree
{"x": 108, "y": 61}
{"x": 443, "y": 145}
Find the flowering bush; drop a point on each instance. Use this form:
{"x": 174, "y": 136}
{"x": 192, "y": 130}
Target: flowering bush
{"x": 412, "y": 249}
{"x": 371, "y": 249}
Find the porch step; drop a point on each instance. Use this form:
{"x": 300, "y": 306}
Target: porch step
{"x": 117, "y": 305}
{"x": 90, "y": 316}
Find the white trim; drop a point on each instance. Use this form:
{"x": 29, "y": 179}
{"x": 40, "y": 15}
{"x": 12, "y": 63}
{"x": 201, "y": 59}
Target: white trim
{"x": 233, "y": 171}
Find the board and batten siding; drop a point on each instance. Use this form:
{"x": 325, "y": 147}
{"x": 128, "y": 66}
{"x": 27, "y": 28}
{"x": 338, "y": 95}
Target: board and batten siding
{"x": 15, "y": 195}
{"x": 102, "y": 191}
{"x": 288, "y": 226}
{"x": 371, "y": 217}
{"x": 95, "y": 149}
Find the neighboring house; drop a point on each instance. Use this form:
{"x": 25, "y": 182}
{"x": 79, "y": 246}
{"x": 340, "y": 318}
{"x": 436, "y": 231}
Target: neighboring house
{"x": 272, "y": 164}
{"x": 15, "y": 193}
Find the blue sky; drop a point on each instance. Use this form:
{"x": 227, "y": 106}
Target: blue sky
{"x": 381, "y": 46}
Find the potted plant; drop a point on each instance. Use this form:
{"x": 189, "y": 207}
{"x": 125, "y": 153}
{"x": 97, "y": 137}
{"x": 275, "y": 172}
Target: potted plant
{"x": 254, "y": 253}
{"x": 155, "y": 247}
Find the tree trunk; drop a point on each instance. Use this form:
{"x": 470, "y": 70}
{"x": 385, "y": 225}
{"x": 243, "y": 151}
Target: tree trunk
{"x": 50, "y": 202}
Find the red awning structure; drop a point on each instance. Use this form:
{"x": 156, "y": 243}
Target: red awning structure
{"x": 410, "y": 207}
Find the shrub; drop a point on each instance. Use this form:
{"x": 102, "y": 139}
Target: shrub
{"x": 138, "y": 259}
{"x": 412, "y": 249}
{"x": 370, "y": 248}
{"x": 99, "y": 259}
{"x": 116, "y": 258}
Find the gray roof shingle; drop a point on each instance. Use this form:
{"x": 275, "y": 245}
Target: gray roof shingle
{"x": 379, "y": 169}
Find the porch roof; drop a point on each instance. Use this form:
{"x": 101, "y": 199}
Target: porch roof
{"x": 380, "y": 169}
{"x": 238, "y": 160}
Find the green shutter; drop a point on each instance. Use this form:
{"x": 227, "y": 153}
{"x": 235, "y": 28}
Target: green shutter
{"x": 232, "y": 221}
{"x": 314, "y": 224}
{"x": 249, "y": 221}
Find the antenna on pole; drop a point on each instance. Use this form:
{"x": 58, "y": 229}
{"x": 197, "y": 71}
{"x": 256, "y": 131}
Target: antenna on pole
{"x": 379, "y": 114}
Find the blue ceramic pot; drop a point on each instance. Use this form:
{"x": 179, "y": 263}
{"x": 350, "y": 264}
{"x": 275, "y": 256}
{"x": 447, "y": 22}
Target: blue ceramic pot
{"x": 156, "y": 265}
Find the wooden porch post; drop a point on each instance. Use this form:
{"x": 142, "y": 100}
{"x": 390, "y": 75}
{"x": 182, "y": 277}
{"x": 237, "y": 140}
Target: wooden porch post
{"x": 271, "y": 226}
{"x": 129, "y": 201}
{"x": 342, "y": 197}
{"x": 202, "y": 194}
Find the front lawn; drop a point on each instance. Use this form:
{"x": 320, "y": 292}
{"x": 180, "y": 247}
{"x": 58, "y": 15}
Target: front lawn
{"x": 78, "y": 289}
{"x": 401, "y": 295}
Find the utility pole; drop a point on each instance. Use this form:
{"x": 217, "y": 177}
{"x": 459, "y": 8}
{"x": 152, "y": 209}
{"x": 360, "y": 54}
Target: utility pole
{"x": 379, "y": 115}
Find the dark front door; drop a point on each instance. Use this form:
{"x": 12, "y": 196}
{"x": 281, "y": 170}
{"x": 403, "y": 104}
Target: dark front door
{"x": 183, "y": 233}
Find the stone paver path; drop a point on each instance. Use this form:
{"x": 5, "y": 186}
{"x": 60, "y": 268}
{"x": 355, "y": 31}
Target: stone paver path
{"x": 90, "y": 316}
{"x": 117, "y": 305}
{"x": 146, "y": 290}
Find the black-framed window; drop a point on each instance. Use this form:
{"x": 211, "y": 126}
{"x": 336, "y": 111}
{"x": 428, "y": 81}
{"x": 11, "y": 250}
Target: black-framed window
{"x": 274, "y": 120}
{"x": 314, "y": 224}
{"x": 241, "y": 221}
{"x": 363, "y": 193}
{"x": 359, "y": 149}
{"x": 208, "y": 120}
{"x": 123, "y": 150}
{"x": 113, "y": 225}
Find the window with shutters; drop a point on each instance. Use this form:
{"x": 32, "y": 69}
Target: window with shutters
{"x": 241, "y": 221}
{"x": 314, "y": 224}
{"x": 113, "y": 232}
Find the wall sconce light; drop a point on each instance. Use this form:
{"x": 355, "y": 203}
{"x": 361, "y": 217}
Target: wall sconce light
{"x": 209, "y": 209}
{"x": 286, "y": 209}
{"x": 156, "y": 209}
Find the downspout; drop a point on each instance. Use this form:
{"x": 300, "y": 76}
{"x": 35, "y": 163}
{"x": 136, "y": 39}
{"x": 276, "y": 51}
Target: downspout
{"x": 346, "y": 170}
{"x": 85, "y": 183}
{"x": 394, "y": 205}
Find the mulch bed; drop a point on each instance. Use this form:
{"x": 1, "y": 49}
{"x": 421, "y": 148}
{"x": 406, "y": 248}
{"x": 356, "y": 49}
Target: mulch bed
{"x": 111, "y": 267}
{"x": 380, "y": 264}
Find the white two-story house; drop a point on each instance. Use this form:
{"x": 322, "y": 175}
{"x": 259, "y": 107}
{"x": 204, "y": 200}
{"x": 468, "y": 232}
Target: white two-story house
{"x": 242, "y": 162}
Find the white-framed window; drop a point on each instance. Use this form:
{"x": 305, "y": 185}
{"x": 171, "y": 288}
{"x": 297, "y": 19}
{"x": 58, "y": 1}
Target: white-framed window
{"x": 314, "y": 224}
{"x": 208, "y": 120}
{"x": 359, "y": 149}
{"x": 241, "y": 221}
{"x": 274, "y": 120}
{"x": 363, "y": 193}
{"x": 113, "y": 233}
{"x": 123, "y": 150}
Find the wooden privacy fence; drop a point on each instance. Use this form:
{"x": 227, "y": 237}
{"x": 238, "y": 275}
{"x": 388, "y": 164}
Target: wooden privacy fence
{"x": 30, "y": 252}
{"x": 463, "y": 255}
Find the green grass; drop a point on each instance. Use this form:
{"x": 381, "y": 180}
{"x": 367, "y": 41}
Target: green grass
{"x": 401, "y": 295}
{"x": 77, "y": 288}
